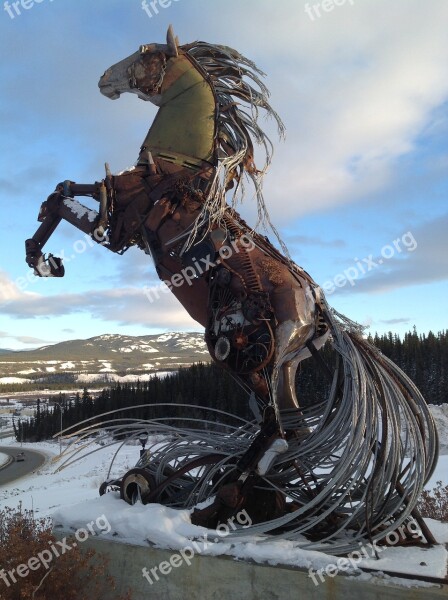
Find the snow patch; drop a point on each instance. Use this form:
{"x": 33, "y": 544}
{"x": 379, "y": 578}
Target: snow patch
{"x": 68, "y": 365}
{"x": 165, "y": 337}
{"x": 79, "y": 210}
{"x": 440, "y": 415}
{"x": 109, "y": 376}
{"x": 4, "y": 459}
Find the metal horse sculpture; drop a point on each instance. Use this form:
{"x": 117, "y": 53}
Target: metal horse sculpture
{"x": 262, "y": 314}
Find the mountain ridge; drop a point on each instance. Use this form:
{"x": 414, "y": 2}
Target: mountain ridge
{"x": 110, "y": 355}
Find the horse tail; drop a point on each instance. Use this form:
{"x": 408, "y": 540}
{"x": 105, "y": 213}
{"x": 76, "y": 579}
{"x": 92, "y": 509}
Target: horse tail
{"x": 391, "y": 426}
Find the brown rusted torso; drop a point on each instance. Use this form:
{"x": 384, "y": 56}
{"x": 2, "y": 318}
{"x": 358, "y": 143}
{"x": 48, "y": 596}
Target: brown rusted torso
{"x": 230, "y": 280}
{"x": 174, "y": 206}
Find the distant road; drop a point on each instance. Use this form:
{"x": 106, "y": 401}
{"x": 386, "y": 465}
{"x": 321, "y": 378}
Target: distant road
{"x": 15, "y": 470}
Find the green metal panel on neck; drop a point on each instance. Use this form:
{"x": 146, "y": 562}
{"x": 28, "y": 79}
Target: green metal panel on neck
{"x": 185, "y": 122}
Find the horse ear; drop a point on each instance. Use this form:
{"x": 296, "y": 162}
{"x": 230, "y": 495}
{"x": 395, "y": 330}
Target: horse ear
{"x": 171, "y": 42}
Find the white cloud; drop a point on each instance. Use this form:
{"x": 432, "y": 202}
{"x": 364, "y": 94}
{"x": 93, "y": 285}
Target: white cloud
{"x": 423, "y": 263}
{"x": 125, "y": 306}
{"x": 367, "y": 82}
{"x": 355, "y": 89}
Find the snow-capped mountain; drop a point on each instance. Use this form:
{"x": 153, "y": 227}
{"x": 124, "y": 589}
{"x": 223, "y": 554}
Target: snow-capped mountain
{"x": 106, "y": 357}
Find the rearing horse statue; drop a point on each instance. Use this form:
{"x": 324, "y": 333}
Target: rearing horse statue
{"x": 259, "y": 309}
{"x": 262, "y": 313}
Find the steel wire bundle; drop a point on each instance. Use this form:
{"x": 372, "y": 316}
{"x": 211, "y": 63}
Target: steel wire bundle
{"x": 354, "y": 475}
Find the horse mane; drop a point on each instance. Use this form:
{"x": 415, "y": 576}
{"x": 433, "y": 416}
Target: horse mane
{"x": 234, "y": 77}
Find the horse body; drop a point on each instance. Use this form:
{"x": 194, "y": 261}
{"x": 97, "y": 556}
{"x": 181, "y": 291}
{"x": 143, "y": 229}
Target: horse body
{"x": 263, "y": 310}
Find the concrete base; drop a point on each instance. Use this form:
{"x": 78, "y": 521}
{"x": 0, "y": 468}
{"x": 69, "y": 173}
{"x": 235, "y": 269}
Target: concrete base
{"x": 221, "y": 578}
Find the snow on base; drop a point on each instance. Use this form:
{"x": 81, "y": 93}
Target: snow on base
{"x": 168, "y": 528}
{"x": 71, "y": 498}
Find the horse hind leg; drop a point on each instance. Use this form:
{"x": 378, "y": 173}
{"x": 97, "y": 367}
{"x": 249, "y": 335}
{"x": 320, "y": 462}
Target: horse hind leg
{"x": 291, "y": 339}
{"x": 290, "y": 410}
{"x": 286, "y": 389}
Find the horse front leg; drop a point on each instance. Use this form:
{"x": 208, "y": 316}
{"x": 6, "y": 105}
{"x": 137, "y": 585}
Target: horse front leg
{"x": 62, "y": 206}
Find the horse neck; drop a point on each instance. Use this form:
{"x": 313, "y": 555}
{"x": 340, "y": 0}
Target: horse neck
{"x": 185, "y": 122}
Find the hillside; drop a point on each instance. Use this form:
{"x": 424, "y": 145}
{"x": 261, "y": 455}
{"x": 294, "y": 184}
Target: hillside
{"x": 103, "y": 358}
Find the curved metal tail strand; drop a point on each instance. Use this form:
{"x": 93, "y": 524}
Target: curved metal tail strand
{"x": 372, "y": 446}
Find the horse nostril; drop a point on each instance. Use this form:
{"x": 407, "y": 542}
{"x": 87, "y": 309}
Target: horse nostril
{"x": 105, "y": 77}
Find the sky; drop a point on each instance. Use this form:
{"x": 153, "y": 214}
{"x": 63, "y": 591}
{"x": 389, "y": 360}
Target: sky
{"x": 358, "y": 189}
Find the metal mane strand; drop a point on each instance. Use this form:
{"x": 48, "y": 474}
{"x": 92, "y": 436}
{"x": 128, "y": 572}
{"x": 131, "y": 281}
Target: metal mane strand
{"x": 233, "y": 77}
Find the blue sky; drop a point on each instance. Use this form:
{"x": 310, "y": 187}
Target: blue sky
{"x": 358, "y": 189}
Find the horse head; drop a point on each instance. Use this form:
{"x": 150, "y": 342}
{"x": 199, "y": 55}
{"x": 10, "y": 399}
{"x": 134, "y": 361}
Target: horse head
{"x": 142, "y": 72}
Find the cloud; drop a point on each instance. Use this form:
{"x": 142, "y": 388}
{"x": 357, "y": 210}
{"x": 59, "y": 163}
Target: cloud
{"x": 355, "y": 88}
{"x": 125, "y": 306}
{"x": 395, "y": 321}
{"x": 301, "y": 240}
{"x": 417, "y": 259}
{"x": 10, "y": 291}
{"x": 24, "y": 339}
{"x": 422, "y": 262}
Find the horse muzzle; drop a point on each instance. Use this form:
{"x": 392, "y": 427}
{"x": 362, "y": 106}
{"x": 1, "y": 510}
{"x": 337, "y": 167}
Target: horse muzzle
{"x": 108, "y": 90}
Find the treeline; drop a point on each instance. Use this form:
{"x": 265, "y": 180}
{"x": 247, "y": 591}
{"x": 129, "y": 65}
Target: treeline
{"x": 204, "y": 385}
{"x": 42, "y": 382}
{"x": 423, "y": 357}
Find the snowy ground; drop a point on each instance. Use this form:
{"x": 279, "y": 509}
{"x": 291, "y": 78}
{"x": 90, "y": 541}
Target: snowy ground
{"x": 4, "y": 458}
{"x": 107, "y": 377}
{"x": 70, "y": 497}
{"x": 440, "y": 414}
